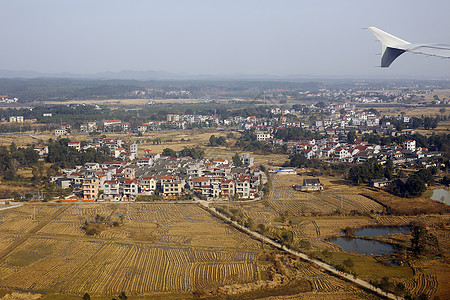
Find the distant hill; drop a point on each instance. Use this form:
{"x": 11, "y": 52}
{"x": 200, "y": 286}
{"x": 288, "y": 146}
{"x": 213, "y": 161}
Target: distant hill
{"x": 148, "y": 75}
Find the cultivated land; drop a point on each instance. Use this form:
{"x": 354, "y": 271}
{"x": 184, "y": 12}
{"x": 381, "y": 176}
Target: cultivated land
{"x": 160, "y": 249}
{"x": 315, "y": 217}
{"x": 180, "y": 250}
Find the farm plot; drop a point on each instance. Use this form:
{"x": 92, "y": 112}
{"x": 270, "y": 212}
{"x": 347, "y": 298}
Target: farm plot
{"x": 24, "y": 218}
{"x": 173, "y": 224}
{"x": 87, "y": 211}
{"x": 144, "y": 269}
{"x": 283, "y": 198}
{"x": 322, "y": 282}
{"x": 40, "y": 264}
{"x": 205, "y": 232}
{"x": 63, "y": 228}
{"x": 159, "y": 213}
{"x": 6, "y": 239}
{"x": 421, "y": 284}
{"x": 71, "y": 220}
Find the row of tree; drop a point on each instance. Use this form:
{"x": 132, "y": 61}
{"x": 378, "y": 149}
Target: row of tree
{"x": 194, "y": 152}
{"x": 414, "y": 185}
{"x": 369, "y": 170}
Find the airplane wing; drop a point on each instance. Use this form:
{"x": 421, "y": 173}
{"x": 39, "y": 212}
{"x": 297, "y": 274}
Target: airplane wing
{"x": 393, "y": 47}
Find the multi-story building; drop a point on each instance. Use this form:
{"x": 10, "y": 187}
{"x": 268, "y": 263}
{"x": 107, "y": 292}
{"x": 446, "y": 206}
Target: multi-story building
{"x": 243, "y": 188}
{"x": 410, "y": 145}
{"x": 147, "y": 185}
{"x": 172, "y": 189}
{"x": 228, "y": 188}
{"x": 130, "y": 190}
{"x": 90, "y": 188}
{"x": 111, "y": 190}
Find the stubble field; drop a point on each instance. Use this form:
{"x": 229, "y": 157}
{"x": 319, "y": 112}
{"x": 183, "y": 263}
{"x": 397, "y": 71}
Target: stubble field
{"x": 314, "y": 217}
{"x": 160, "y": 248}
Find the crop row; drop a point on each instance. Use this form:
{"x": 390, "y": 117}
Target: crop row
{"x": 18, "y": 224}
{"x": 323, "y": 284}
{"x": 40, "y": 264}
{"x": 62, "y": 227}
{"x": 424, "y": 284}
{"x": 142, "y": 269}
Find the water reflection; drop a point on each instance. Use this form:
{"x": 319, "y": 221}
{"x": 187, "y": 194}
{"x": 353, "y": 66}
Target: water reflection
{"x": 367, "y": 247}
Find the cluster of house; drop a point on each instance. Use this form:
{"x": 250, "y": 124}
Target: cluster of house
{"x": 340, "y": 119}
{"x": 333, "y": 150}
{"x": 6, "y": 99}
{"x": 117, "y": 147}
{"x": 164, "y": 176}
{"x": 337, "y": 122}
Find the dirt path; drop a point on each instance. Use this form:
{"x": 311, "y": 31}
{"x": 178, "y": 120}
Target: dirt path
{"x": 317, "y": 234}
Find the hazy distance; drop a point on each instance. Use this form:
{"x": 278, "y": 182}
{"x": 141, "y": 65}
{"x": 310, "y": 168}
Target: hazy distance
{"x": 226, "y": 38}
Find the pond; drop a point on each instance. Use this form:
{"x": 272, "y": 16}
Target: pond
{"x": 441, "y": 195}
{"x": 367, "y": 247}
{"x": 370, "y": 247}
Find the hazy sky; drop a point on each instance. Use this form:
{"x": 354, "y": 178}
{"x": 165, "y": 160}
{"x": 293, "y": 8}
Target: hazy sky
{"x": 318, "y": 38}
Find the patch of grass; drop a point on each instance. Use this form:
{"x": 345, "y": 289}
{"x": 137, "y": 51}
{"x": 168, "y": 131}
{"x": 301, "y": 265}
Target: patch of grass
{"x": 263, "y": 275}
{"x": 368, "y": 267}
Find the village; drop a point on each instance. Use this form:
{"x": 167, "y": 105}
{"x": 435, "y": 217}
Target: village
{"x": 158, "y": 176}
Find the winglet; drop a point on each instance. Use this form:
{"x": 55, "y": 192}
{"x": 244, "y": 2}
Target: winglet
{"x": 392, "y": 46}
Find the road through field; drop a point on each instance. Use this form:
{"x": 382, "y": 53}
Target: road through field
{"x": 303, "y": 256}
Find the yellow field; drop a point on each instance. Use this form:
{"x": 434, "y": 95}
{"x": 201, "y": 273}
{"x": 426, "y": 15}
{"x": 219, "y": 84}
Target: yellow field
{"x": 161, "y": 247}
{"x": 314, "y": 217}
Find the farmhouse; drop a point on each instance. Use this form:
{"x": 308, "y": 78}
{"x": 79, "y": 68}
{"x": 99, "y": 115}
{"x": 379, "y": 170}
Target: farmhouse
{"x": 310, "y": 184}
{"x": 379, "y": 182}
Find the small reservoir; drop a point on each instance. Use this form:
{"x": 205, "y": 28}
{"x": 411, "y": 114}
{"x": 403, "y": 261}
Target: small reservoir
{"x": 367, "y": 247}
{"x": 370, "y": 247}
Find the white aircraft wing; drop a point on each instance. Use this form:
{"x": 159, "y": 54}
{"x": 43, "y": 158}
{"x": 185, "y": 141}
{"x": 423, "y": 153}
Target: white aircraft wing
{"x": 440, "y": 50}
{"x": 393, "y": 47}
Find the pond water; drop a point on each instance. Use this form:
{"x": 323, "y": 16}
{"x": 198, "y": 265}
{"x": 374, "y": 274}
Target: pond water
{"x": 366, "y": 247}
{"x": 441, "y": 195}
{"x": 370, "y": 247}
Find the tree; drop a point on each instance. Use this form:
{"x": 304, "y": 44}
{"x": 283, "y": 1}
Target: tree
{"x": 348, "y": 263}
{"x": 419, "y": 234}
{"x": 262, "y": 228}
{"x": 169, "y": 152}
{"x": 388, "y": 169}
{"x": 194, "y": 152}
{"x": 351, "y": 137}
{"x": 367, "y": 171}
{"x": 422, "y": 241}
{"x": 212, "y": 141}
{"x": 237, "y": 160}
{"x": 86, "y": 296}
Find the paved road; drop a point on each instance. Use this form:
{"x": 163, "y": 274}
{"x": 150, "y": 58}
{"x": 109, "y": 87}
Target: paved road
{"x": 3, "y": 207}
{"x": 303, "y": 256}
